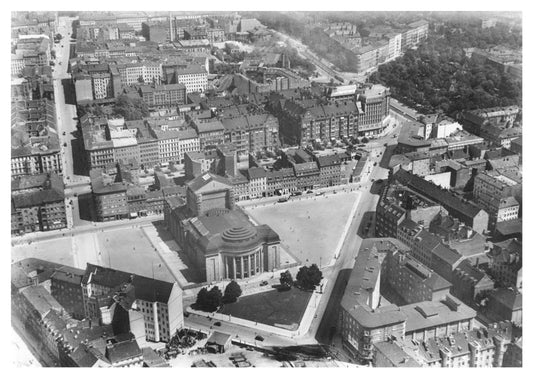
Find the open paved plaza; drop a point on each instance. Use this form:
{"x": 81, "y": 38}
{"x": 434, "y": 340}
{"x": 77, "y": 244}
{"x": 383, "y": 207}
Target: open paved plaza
{"x": 56, "y": 250}
{"x": 280, "y": 309}
{"x": 309, "y": 226}
{"x": 126, "y": 249}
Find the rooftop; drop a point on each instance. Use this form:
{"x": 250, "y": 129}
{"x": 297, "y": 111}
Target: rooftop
{"x": 229, "y": 229}
{"x": 396, "y": 356}
{"x": 434, "y": 192}
{"x": 430, "y": 314}
{"x": 191, "y": 70}
{"x": 38, "y": 190}
{"x": 209, "y": 126}
{"x": 201, "y": 181}
{"x": 362, "y": 283}
{"x": 147, "y": 289}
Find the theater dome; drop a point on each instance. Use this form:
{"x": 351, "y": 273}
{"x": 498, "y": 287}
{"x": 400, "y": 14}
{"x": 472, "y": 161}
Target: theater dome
{"x": 238, "y": 234}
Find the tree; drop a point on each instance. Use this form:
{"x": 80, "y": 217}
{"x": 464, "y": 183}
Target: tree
{"x": 232, "y": 292}
{"x": 131, "y": 108}
{"x": 209, "y": 301}
{"x": 215, "y": 299}
{"x": 365, "y": 140}
{"x": 172, "y": 167}
{"x": 309, "y": 277}
{"x": 202, "y": 297}
{"x": 285, "y": 278}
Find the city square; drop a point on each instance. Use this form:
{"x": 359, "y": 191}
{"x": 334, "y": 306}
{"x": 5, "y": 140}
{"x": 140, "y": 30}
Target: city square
{"x": 310, "y": 226}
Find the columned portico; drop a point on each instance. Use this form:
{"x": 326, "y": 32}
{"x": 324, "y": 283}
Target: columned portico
{"x": 243, "y": 266}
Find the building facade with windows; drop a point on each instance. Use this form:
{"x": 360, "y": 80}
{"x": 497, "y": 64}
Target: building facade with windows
{"x": 152, "y": 309}
{"x": 37, "y": 203}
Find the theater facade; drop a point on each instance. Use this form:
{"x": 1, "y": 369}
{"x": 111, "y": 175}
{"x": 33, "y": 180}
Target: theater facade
{"x": 218, "y": 238}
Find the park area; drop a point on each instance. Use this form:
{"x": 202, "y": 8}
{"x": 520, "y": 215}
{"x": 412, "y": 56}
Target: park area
{"x": 283, "y": 309}
{"x": 310, "y": 226}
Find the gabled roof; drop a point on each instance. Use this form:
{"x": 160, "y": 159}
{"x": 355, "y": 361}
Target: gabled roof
{"x": 210, "y": 126}
{"x": 446, "y": 254}
{"x": 147, "y": 289}
{"x": 396, "y": 356}
{"x": 511, "y": 299}
{"x": 256, "y": 173}
{"x": 435, "y": 193}
{"x": 465, "y": 268}
{"x": 41, "y": 300}
{"x": 123, "y": 350}
{"x": 208, "y": 182}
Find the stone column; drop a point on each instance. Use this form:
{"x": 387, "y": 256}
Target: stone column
{"x": 226, "y": 275}
{"x": 249, "y": 266}
{"x": 234, "y": 268}
{"x": 242, "y": 267}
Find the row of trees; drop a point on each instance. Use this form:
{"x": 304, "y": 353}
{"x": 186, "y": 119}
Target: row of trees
{"x": 314, "y": 37}
{"x": 211, "y": 300}
{"x": 307, "y": 278}
{"x": 125, "y": 106}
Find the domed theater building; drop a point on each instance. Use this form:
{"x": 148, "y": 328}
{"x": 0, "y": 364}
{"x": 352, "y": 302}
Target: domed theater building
{"x": 220, "y": 239}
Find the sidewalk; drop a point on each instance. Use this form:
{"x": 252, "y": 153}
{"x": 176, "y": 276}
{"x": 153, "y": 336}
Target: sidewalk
{"x": 345, "y": 231}
{"x": 264, "y": 201}
{"x": 170, "y": 258}
{"x": 55, "y": 234}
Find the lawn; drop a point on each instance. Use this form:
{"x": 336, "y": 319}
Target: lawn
{"x": 280, "y": 309}
{"x": 310, "y": 227}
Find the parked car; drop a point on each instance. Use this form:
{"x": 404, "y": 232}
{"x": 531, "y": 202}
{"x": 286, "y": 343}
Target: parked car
{"x": 218, "y": 324}
{"x": 264, "y": 283}
{"x": 260, "y": 338}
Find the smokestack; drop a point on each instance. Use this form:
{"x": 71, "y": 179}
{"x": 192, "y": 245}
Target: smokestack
{"x": 170, "y": 27}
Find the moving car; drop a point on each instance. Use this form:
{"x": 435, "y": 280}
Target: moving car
{"x": 264, "y": 283}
